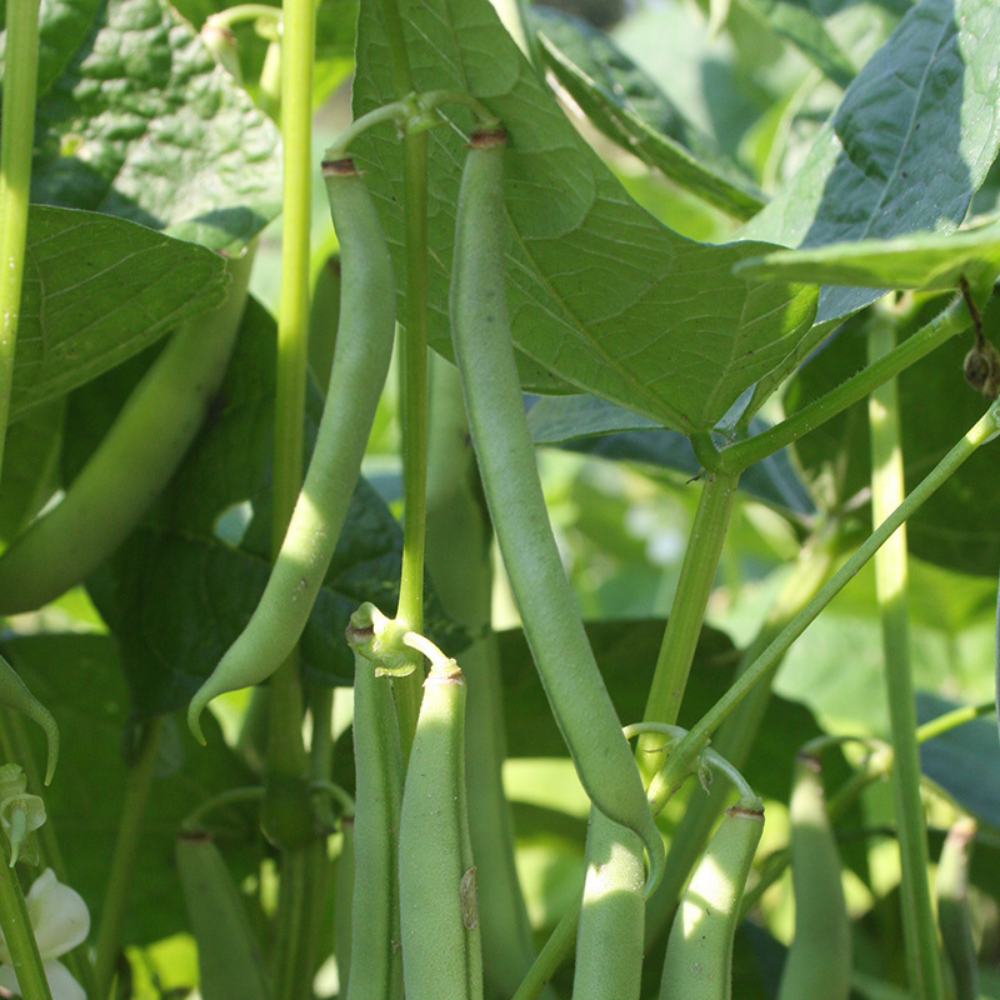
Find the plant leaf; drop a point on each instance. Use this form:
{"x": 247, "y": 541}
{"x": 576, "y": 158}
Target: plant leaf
{"x": 908, "y": 146}
{"x": 97, "y": 290}
{"x": 600, "y": 294}
{"x": 610, "y": 89}
{"x": 922, "y": 260}
{"x": 139, "y": 122}
{"x": 597, "y": 427}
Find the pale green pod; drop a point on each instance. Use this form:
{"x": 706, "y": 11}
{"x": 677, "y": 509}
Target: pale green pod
{"x": 485, "y": 354}
{"x": 951, "y": 885}
{"x": 364, "y": 347}
{"x": 818, "y": 966}
{"x": 376, "y": 961}
{"x": 609, "y": 942}
{"x": 438, "y": 914}
{"x": 229, "y": 964}
{"x": 133, "y": 463}
{"x": 699, "y": 959}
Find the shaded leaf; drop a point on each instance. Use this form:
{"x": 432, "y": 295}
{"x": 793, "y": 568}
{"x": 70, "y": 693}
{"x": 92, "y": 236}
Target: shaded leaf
{"x": 96, "y": 291}
{"x": 596, "y": 427}
{"x": 600, "y": 294}
{"x": 79, "y": 680}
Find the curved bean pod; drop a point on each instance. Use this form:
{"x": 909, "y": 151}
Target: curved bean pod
{"x": 485, "y": 354}
{"x": 699, "y": 958}
{"x": 364, "y": 346}
{"x": 229, "y": 964}
{"x": 376, "y": 963}
{"x": 442, "y": 954}
{"x": 14, "y": 693}
{"x": 818, "y": 966}
{"x": 952, "y": 889}
{"x": 133, "y": 463}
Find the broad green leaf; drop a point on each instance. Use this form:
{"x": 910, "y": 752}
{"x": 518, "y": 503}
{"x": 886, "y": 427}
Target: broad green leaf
{"x": 908, "y": 146}
{"x": 919, "y": 260}
{"x": 30, "y": 467}
{"x": 97, "y": 290}
{"x": 142, "y": 124}
{"x": 184, "y": 585}
{"x": 596, "y": 427}
{"x": 600, "y": 294}
{"x": 79, "y": 680}
{"x": 959, "y": 526}
{"x": 630, "y": 109}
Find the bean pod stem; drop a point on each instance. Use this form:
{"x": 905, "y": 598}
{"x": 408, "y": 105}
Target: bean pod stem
{"x": 485, "y": 354}
{"x": 364, "y": 346}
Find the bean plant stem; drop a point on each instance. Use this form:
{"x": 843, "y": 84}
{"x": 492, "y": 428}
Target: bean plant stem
{"x": 949, "y": 322}
{"x": 18, "y": 932}
{"x": 138, "y": 784}
{"x": 414, "y": 375}
{"x": 923, "y": 959}
{"x": 985, "y": 429}
{"x": 701, "y": 560}
{"x": 552, "y": 955}
{"x": 287, "y": 804}
{"x": 408, "y": 689}
{"x": 16, "y": 147}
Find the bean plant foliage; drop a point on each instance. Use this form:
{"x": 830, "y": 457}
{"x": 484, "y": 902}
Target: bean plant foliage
{"x": 734, "y": 261}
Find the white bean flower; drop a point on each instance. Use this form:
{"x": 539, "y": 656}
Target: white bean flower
{"x": 61, "y": 921}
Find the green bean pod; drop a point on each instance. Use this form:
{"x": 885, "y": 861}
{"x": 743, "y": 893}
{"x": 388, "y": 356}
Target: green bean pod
{"x": 14, "y": 693}
{"x": 133, "y": 463}
{"x": 485, "y": 354}
{"x": 343, "y": 926}
{"x": 442, "y": 956}
{"x": 699, "y": 958}
{"x": 376, "y": 963}
{"x": 818, "y": 966}
{"x": 228, "y": 961}
{"x": 364, "y": 347}
{"x": 609, "y": 942}
{"x": 951, "y": 886}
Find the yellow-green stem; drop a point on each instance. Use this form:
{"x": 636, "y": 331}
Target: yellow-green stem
{"x": 18, "y": 932}
{"x": 919, "y": 927}
{"x": 16, "y": 146}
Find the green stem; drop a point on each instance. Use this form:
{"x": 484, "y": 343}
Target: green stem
{"x": 16, "y": 146}
{"x": 408, "y": 689}
{"x": 737, "y": 735}
{"x": 891, "y": 570}
{"x": 287, "y": 814}
{"x": 701, "y": 560}
{"x": 552, "y": 955}
{"x": 137, "y": 788}
{"x": 245, "y": 12}
{"x": 951, "y": 321}
{"x": 985, "y": 429}
{"x": 18, "y": 933}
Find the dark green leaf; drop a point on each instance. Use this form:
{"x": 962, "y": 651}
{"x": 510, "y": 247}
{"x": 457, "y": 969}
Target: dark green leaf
{"x": 600, "y": 294}
{"x": 140, "y": 123}
{"x": 185, "y": 584}
{"x": 596, "y": 427}
{"x": 96, "y": 291}
{"x": 909, "y": 144}
{"x": 78, "y": 679}
{"x": 30, "y": 467}
{"x": 959, "y": 526}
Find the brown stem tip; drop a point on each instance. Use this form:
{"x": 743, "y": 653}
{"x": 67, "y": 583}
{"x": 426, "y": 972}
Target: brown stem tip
{"x": 488, "y": 138}
{"x": 340, "y": 168}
